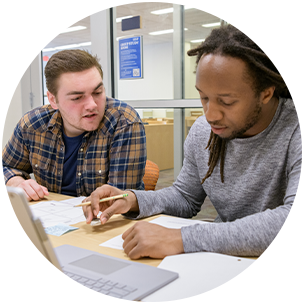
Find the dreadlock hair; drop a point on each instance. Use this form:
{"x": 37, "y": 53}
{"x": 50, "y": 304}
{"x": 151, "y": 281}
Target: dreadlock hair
{"x": 229, "y": 41}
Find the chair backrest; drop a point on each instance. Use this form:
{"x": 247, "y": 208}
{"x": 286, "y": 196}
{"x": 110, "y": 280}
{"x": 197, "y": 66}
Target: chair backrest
{"x": 151, "y": 175}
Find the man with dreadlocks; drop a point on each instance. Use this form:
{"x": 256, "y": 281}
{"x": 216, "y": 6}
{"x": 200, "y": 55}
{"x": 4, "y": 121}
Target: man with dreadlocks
{"x": 244, "y": 154}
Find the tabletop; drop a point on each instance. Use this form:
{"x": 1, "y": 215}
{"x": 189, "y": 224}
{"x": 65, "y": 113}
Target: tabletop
{"x": 89, "y": 237}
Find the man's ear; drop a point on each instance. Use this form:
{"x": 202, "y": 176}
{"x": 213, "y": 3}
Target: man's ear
{"x": 267, "y": 95}
{"x": 52, "y": 100}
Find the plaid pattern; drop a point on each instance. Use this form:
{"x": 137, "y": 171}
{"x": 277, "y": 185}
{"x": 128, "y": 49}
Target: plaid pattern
{"x": 115, "y": 153}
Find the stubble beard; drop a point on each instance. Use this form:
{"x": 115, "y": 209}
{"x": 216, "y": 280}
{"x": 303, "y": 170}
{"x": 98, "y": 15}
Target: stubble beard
{"x": 252, "y": 119}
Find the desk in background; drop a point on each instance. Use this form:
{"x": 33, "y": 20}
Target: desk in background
{"x": 160, "y": 143}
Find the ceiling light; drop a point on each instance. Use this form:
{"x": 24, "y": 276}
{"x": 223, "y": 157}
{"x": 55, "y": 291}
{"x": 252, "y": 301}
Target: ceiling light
{"x": 161, "y": 32}
{"x": 83, "y": 44}
{"x": 163, "y": 11}
{"x": 69, "y": 46}
{"x": 209, "y": 25}
{"x": 49, "y": 4}
{"x": 48, "y": 50}
{"x": 197, "y": 40}
{"x": 46, "y": 34}
{"x": 167, "y": 10}
{"x": 74, "y": 28}
{"x": 164, "y": 32}
{"x": 121, "y": 18}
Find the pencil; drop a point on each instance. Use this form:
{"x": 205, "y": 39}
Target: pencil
{"x": 102, "y": 200}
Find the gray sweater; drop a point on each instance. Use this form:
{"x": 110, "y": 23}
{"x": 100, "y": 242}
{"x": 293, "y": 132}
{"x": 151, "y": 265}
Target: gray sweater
{"x": 261, "y": 176}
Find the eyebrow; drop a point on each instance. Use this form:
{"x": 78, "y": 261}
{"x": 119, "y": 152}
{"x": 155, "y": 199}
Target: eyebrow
{"x": 221, "y": 94}
{"x": 82, "y": 92}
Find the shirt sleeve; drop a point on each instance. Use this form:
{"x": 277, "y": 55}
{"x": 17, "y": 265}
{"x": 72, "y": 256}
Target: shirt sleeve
{"x": 247, "y": 236}
{"x": 250, "y": 235}
{"x": 183, "y": 199}
{"x": 15, "y": 157}
{"x": 128, "y": 157}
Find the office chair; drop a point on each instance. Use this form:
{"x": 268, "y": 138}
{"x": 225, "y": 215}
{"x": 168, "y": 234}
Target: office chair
{"x": 151, "y": 175}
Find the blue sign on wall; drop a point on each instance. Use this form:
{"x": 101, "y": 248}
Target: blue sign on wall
{"x": 130, "y": 56}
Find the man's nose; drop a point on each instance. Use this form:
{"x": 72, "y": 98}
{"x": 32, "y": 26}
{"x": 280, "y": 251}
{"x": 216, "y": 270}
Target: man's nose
{"x": 212, "y": 112}
{"x": 90, "y": 103}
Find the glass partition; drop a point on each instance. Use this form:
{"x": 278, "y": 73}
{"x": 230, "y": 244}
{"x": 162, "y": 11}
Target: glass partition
{"x": 64, "y": 25}
{"x": 199, "y": 25}
{"x": 157, "y": 34}
{"x": 159, "y": 129}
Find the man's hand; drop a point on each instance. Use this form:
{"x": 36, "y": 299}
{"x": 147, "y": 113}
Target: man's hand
{"x": 148, "y": 239}
{"x": 33, "y": 190}
{"x": 109, "y": 208}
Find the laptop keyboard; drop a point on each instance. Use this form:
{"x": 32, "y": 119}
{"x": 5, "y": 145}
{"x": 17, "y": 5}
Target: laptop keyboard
{"x": 103, "y": 285}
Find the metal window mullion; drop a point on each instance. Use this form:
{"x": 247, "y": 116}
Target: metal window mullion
{"x": 178, "y": 76}
{"x": 30, "y": 54}
{"x": 100, "y": 39}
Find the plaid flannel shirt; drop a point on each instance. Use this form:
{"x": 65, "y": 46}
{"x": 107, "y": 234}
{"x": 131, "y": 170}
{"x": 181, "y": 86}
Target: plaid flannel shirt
{"x": 113, "y": 154}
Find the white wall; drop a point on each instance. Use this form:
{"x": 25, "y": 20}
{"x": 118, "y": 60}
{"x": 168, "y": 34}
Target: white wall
{"x": 11, "y": 105}
{"x": 158, "y": 75}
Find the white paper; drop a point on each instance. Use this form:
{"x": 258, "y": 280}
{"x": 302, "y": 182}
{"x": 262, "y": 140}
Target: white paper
{"x": 168, "y": 222}
{"x": 52, "y": 213}
{"x": 215, "y": 278}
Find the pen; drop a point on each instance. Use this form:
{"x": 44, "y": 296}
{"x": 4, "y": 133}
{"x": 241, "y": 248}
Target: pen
{"x": 102, "y": 200}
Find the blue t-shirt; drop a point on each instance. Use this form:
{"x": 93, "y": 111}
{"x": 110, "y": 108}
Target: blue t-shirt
{"x": 72, "y": 145}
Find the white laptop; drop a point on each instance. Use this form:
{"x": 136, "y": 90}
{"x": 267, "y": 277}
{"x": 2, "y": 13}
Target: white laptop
{"x": 32, "y": 271}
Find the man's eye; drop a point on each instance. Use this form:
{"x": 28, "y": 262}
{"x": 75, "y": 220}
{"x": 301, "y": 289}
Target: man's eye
{"x": 76, "y": 98}
{"x": 227, "y": 103}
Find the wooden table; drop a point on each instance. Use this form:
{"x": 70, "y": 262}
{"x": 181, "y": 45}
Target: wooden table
{"x": 89, "y": 237}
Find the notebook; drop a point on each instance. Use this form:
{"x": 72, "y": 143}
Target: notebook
{"x": 32, "y": 271}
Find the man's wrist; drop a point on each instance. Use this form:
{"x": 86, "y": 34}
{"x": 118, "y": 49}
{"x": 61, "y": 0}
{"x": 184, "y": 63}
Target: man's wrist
{"x": 15, "y": 181}
{"x": 132, "y": 198}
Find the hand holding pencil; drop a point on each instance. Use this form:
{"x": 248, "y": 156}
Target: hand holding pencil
{"x": 109, "y": 200}
{"x": 102, "y": 200}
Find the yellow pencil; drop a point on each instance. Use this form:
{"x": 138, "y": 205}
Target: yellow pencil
{"x": 102, "y": 200}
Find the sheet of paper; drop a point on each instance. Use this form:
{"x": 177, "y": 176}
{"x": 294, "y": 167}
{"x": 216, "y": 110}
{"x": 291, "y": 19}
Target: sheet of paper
{"x": 168, "y": 222}
{"x": 59, "y": 229}
{"x": 52, "y": 213}
{"x": 215, "y": 278}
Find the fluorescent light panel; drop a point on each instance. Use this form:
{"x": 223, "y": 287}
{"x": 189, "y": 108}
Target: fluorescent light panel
{"x": 50, "y": 4}
{"x": 164, "y": 32}
{"x": 208, "y": 25}
{"x": 167, "y": 10}
{"x": 69, "y": 46}
{"x": 63, "y": 31}
{"x": 197, "y": 40}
